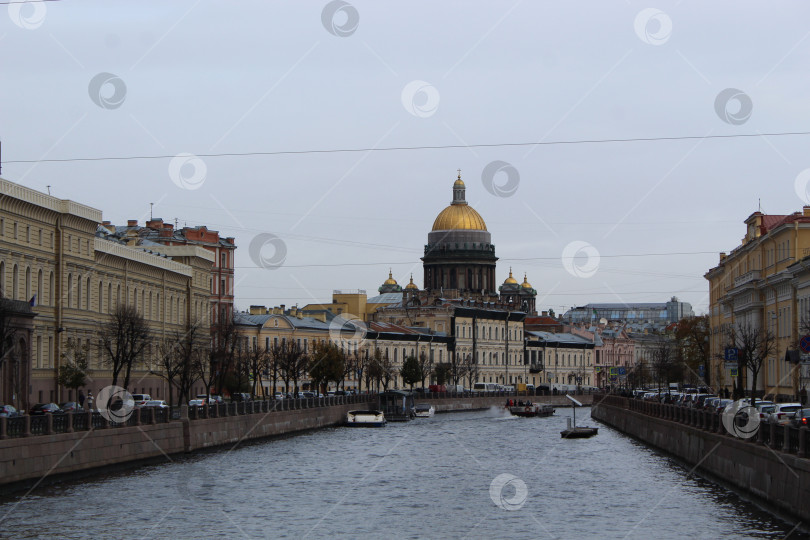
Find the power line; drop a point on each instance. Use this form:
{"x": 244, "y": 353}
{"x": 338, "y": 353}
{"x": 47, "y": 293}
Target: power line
{"x": 404, "y": 148}
{"x": 393, "y": 263}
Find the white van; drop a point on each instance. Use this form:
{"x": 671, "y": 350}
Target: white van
{"x": 485, "y": 387}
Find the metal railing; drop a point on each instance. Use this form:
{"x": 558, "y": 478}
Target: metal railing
{"x": 784, "y": 438}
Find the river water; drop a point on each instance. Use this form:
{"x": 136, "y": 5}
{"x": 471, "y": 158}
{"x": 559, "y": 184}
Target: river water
{"x": 462, "y": 475}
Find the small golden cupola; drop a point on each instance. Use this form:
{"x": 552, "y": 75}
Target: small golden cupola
{"x": 411, "y": 286}
{"x": 510, "y": 280}
{"x": 390, "y": 284}
{"x": 525, "y": 284}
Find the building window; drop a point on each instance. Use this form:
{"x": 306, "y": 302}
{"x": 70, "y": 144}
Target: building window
{"x": 15, "y": 285}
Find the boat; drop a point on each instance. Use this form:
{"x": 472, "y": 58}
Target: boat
{"x": 397, "y": 405}
{"x": 573, "y": 431}
{"x": 423, "y": 410}
{"x": 370, "y": 418}
{"x": 532, "y": 410}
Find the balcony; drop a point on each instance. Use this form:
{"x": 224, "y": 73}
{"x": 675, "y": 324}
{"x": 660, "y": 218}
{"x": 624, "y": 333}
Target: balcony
{"x": 748, "y": 277}
{"x": 535, "y": 368}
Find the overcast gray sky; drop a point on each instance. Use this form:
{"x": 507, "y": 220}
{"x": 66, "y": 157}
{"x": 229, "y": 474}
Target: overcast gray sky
{"x": 211, "y": 77}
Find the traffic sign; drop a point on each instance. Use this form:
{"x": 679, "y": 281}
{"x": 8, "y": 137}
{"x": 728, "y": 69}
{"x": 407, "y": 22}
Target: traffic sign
{"x": 734, "y": 372}
{"x": 701, "y": 370}
{"x": 804, "y": 344}
{"x": 731, "y": 354}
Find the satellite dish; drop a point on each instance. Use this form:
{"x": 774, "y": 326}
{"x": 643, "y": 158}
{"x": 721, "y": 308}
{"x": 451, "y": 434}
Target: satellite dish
{"x": 578, "y": 404}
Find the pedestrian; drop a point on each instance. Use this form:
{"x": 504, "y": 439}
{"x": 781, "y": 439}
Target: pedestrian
{"x": 81, "y": 399}
{"x": 803, "y": 396}
{"x": 90, "y": 400}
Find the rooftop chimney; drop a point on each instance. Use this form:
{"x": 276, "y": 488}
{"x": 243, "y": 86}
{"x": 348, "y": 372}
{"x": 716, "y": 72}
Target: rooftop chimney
{"x": 258, "y": 310}
{"x": 156, "y": 224}
{"x": 806, "y": 211}
{"x": 132, "y": 223}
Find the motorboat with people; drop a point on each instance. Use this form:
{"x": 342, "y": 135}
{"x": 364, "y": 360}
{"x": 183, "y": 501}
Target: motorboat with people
{"x": 369, "y": 418}
{"x": 423, "y": 410}
{"x": 527, "y": 409}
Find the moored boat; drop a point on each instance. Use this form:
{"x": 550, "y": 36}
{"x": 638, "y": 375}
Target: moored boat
{"x": 532, "y": 410}
{"x": 423, "y": 410}
{"x": 369, "y": 418}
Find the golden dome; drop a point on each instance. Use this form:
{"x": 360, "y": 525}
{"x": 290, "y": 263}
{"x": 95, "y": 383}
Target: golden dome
{"x": 390, "y": 280}
{"x": 459, "y": 217}
{"x": 510, "y": 280}
{"x": 411, "y": 285}
{"x": 525, "y": 284}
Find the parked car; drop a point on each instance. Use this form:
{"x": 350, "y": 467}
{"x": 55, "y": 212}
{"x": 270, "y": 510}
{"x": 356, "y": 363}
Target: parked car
{"x": 210, "y": 399}
{"x": 44, "y": 408}
{"x": 70, "y": 406}
{"x": 240, "y": 396}
{"x": 800, "y": 418}
{"x": 721, "y": 405}
{"x": 156, "y": 403}
{"x": 782, "y": 411}
{"x": 141, "y": 399}
{"x": 9, "y": 411}
{"x": 196, "y": 403}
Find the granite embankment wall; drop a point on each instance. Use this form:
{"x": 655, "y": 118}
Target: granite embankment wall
{"x": 25, "y": 460}
{"x": 777, "y": 479}
{"x": 478, "y": 403}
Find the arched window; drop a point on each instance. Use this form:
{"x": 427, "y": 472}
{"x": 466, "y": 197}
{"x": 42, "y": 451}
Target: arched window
{"x": 2, "y": 279}
{"x": 27, "y": 283}
{"x": 117, "y": 295}
{"x": 135, "y": 298}
{"x": 100, "y": 297}
{"x": 40, "y": 296}
{"x": 70, "y": 290}
{"x": 109, "y": 298}
{"x": 79, "y": 292}
{"x": 15, "y": 284}
{"x": 149, "y": 313}
{"x": 50, "y": 289}
{"x": 87, "y": 295}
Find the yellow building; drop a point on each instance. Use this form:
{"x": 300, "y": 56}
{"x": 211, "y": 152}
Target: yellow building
{"x": 755, "y": 286}
{"x": 53, "y": 255}
{"x": 265, "y": 328}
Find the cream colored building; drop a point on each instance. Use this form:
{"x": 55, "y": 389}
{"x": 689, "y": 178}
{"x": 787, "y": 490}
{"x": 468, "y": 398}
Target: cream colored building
{"x": 263, "y": 327}
{"x": 50, "y": 254}
{"x": 760, "y": 285}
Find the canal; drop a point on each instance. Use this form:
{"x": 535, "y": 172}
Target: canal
{"x": 466, "y": 475}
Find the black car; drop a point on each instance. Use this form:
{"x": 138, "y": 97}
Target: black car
{"x": 70, "y": 406}
{"x": 44, "y": 408}
{"x": 8, "y": 411}
{"x": 240, "y": 396}
{"x": 800, "y": 418}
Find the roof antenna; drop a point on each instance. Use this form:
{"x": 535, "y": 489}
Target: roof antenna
{"x": 759, "y": 204}
{"x": 151, "y": 204}
{"x": 49, "y": 189}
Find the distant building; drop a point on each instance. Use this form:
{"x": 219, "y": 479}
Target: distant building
{"x": 651, "y": 312}
{"x": 156, "y": 232}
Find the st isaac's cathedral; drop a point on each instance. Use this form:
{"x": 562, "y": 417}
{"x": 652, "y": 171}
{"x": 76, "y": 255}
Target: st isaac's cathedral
{"x": 460, "y": 299}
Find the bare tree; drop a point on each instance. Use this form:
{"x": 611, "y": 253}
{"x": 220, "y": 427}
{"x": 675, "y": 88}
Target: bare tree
{"x": 292, "y": 363}
{"x": 178, "y": 357}
{"x": 327, "y": 363}
{"x": 223, "y": 353}
{"x": 754, "y": 346}
{"x": 257, "y": 365}
{"x": 425, "y": 366}
{"x": 123, "y": 339}
{"x": 468, "y": 368}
